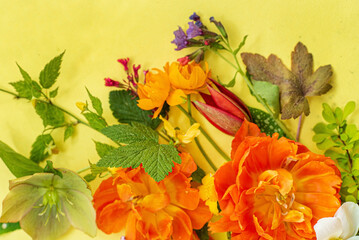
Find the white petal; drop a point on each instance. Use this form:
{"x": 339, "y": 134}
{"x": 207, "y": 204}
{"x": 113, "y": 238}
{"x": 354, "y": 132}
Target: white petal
{"x": 327, "y": 228}
{"x": 354, "y": 238}
{"x": 348, "y": 213}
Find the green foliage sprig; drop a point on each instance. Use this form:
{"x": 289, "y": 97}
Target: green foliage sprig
{"x": 340, "y": 140}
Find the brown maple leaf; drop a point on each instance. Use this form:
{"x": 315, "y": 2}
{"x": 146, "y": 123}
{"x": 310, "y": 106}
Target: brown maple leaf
{"x": 294, "y": 86}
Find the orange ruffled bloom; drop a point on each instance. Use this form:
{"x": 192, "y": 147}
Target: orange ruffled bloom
{"x": 134, "y": 202}
{"x": 274, "y": 188}
{"x": 171, "y": 85}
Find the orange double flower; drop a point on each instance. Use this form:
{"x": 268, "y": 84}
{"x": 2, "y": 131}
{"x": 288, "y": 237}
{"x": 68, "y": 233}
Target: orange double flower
{"x": 171, "y": 85}
{"x": 274, "y": 188}
{"x": 146, "y": 209}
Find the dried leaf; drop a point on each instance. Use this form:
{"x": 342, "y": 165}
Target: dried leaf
{"x": 295, "y": 85}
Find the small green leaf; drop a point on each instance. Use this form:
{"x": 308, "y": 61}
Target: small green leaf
{"x": 51, "y": 71}
{"x": 352, "y": 189}
{"x": 125, "y": 110}
{"x": 96, "y": 103}
{"x": 231, "y": 83}
{"x": 235, "y": 52}
{"x": 90, "y": 177}
{"x": 334, "y": 155}
{"x": 53, "y": 93}
{"x": 265, "y": 122}
{"x": 269, "y": 92}
{"x": 68, "y": 132}
{"x": 332, "y": 126}
{"x": 348, "y": 109}
{"x": 350, "y": 198}
{"x": 355, "y": 137}
{"x": 326, "y": 144}
{"x": 95, "y": 121}
{"x": 322, "y": 128}
{"x": 26, "y": 89}
{"x": 344, "y": 137}
{"x": 198, "y": 175}
{"x": 127, "y": 134}
{"x": 39, "y": 147}
{"x": 328, "y": 114}
{"x": 351, "y": 130}
{"x": 9, "y": 227}
{"x": 338, "y": 114}
{"x": 103, "y": 149}
{"x": 318, "y": 138}
{"x": 96, "y": 169}
{"x": 17, "y": 164}
{"x": 50, "y": 114}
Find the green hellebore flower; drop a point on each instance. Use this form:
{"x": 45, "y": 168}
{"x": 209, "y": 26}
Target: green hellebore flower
{"x": 47, "y": 205}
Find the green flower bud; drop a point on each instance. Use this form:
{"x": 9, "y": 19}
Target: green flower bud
{"x": 47, "y": 205}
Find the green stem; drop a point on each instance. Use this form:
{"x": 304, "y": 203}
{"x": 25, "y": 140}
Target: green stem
{"x": 163, "y": 136}
{"x": 238, "y": 68}
{"x": 205, "y": 134}
{"x": 199, "y": 145}
{"x": 6, "y": 91}
{"x": 83, "y": 170}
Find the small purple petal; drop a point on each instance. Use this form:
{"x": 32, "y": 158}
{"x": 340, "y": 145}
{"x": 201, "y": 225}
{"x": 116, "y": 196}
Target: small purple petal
{"x": 180, "y": 39}
{"x": 193, "y": 30}
{"x": 194, "y": 17}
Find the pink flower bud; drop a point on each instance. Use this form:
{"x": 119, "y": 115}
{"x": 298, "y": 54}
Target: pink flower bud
{"x": 111, "y": 83}
{"x": 124, "y": 62}
{"x": 223, "y": 109}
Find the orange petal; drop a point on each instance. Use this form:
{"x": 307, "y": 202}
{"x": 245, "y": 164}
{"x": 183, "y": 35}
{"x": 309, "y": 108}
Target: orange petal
{"x": 181, "y": 224}
{"x": 200, "y": 215}
{"x": 155, "y": 202}
{"x": 176, "y": 97}
{"x": 124, "y": 192}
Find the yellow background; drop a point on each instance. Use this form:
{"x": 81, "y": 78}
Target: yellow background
{"x": 96, "y": 33}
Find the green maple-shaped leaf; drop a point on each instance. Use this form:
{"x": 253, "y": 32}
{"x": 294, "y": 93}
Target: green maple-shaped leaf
{"x": 142, "y": 148}
{"x": 294, "y": 85}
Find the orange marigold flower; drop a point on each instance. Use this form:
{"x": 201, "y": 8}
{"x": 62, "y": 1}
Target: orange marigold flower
{"x": 274, "y": 188}
{"x": 146, "y": 209}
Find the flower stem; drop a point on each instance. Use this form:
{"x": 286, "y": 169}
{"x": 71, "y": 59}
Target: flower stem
{"x": 83, "y": 170}
{"x": 199, "y": 145}
{"x": 163, "y": 136}
{"x": 299, "y": 128}
{"x": 250, "y": 86}
{"x": 205, "y": 134}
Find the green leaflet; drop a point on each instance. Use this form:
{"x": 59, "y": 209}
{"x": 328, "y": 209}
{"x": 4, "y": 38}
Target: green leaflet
{"x": 54, "y": 93}
{"x": 27, "y": 89}
{"x": 265, "y": 122}
{"x": 270, "y": 93}
{"x": 51, "y": 71}
{"x": 103, "y": 149}
{"x": 143, "y": 147}
{"x": 125, "y": 110}
{"x": 9, "y": 227}
{"x": 17, "y": 164}
{"x": 68, "y": 132}
{"x": 40, "y": 150}
{"x": 95, "y": 121}
{"x": 96, "y": 103}
{"x": 50, "y": 114}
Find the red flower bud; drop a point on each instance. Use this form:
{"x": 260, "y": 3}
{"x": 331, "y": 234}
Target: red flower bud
{"x": 223, "y": 109}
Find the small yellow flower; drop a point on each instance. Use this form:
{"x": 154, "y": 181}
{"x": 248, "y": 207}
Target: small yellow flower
{"x": 208, "y": 193}
{"x": 177, "y": 135}
{"x": 82, "y": 106}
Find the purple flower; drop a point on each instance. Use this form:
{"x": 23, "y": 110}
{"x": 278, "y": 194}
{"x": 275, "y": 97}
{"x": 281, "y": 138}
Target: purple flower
{"x": 194, "y": 17}
{"x": 180, "y": 39}
{"x": 193, "y": 31}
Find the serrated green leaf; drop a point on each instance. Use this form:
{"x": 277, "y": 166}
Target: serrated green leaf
{"x": 51, "y": 71}
{"x": 235, "y": 52}
{"x": 54, "y": 93}
{"x": 38, "y": 151}
{"x": 157, "y": 159}
{"x": 265, "y": 122}
{"x": 95, "y": 121}
{"x": 17, "y": 164}
{"x": 127, "y": 134}
{"x": 90, "y": 177}
{"x": 198, "y": 175}
{"x": 50, "y": 114}
{"x": 68, "y": 132}
{"x": 96, "y": 103}
{"x": 348, "y": 109}
{"x": 28, "y": 89}
{"x": 328, "y": 114}
{"x": 103, "y": 149}
{"x": 9, "y": 227}
{"x": 24, "y": 74}
{"x": 125, "y": 110}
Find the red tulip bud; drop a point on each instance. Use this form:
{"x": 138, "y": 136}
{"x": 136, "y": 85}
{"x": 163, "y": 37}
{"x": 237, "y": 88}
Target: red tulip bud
{"x": 223, "y": 109}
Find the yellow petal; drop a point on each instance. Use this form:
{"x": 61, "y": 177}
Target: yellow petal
{"x": 168, "y": 127}
{"x": 191, "y": 133}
